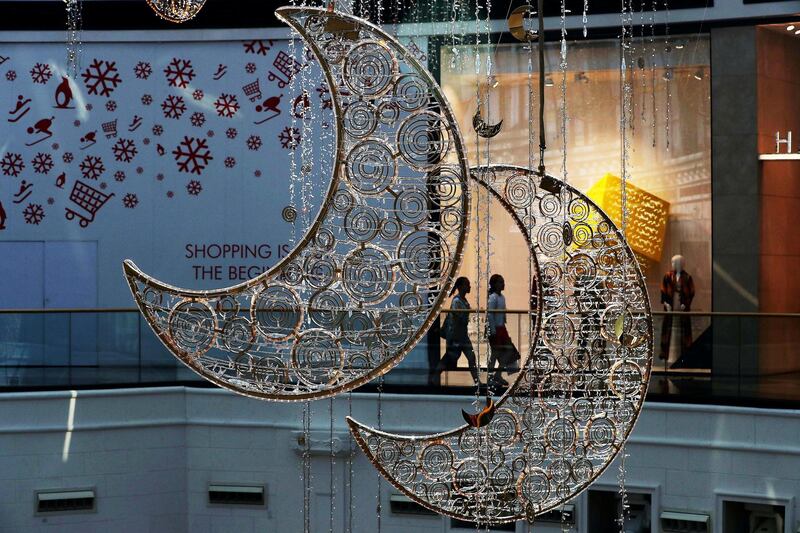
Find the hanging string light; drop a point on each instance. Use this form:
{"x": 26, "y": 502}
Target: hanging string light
{"x": 73, "y": 37}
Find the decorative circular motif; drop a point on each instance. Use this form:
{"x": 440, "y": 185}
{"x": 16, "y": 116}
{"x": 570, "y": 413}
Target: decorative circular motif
{"x": 317, "y": 357}
{"x": 192, "y": 326}
{"x": 519, "y": 191}
{"x": 362, "y": 223}
{"x": 369, "y": 69}
{"x": 436, "y": 460}
{"x": 423, "y": 140}
{"x": 367, "y": 275}
{"x": 360, "y": 119}
{"x": 423, "y": 258}
{"x": 411, "y": 92}
{"x": 411, "y": 206}
{"x": 289, "y": 214}
{"x": 370, "y": 167}
{"x": 276, "y": 312}
{"x": 238, "y": 335}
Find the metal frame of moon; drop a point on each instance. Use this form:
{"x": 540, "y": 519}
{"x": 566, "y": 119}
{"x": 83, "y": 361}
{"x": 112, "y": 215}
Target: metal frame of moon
{"x": 370, "y": 276}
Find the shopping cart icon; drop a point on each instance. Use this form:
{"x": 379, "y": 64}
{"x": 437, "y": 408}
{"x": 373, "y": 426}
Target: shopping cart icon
{"x": 252, "y": 91}
{"x": 110, "y": 129}
{"x": 87, "y": 198}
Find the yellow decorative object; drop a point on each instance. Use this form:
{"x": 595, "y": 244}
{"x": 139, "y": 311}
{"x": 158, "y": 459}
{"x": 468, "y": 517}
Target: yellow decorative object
{"x": 647, "y": 214}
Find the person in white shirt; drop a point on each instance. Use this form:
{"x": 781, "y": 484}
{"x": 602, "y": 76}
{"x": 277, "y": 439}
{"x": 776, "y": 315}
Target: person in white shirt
{"x": 455, "y": 333}
{"x": 503, "y": 351}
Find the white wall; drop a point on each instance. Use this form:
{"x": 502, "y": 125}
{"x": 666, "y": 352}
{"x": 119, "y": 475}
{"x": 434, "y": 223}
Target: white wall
{"x": 151, "y": 453}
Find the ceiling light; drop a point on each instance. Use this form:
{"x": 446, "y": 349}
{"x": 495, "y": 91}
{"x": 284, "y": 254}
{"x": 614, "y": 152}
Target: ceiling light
{"x": 698, "y": 74}
{"x": 548, "y": 81}
{"x": 797, "y": 32}
{"x": 790, "y": 27}
{"x": 679, "y": 46}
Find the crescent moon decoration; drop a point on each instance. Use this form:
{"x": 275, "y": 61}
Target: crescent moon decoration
{"x": 368, "y": 279}
{"x": 516, "y": 24}
{"x": 482, "y": 128}
{"x": 176, "y": 10}
{"x": 563, "y": 420}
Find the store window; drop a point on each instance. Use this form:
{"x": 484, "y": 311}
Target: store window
{"x": 670, "y": 140}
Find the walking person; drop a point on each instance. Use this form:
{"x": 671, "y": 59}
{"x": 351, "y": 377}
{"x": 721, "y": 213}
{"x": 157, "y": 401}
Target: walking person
{"x": 503, "y": 352}
{"x": 454, "y": 331}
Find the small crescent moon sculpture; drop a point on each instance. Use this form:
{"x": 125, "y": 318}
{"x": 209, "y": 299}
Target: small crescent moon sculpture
{"x": 482, "y": 128}
{"x": 581, "y": 389}
{"x": 516, "y": 24}
{"x": 368, "y": 279}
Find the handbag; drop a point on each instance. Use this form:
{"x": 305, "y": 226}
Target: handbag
{"x": 505, "y": 351}
{"x": 444, "y": 329}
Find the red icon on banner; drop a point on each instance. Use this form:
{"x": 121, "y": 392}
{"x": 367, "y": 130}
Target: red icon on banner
{"x": 20, "y": 109}
{"x": 61, "y": 179}
{"x": 88, "y": 140}
{"x": 63, "y": 94}
{"x": 42, "y": 127}
{"x": 23, "y": 192}
{"x": 89, "y": 200}
{"x": 3, "y": 217}
{"x": 286, "y": 65}
{"x": 270, "y": 105}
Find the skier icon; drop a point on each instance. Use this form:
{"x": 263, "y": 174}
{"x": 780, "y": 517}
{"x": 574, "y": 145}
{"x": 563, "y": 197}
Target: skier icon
{"x": 89, "y": 139}
{"x": 42, "y": 126}
{"x": 270, "y": 105}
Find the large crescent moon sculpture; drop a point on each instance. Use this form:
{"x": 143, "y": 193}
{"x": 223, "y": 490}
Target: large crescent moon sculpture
{"x": 564, "y": 419}
{"x": 368, "y": 279}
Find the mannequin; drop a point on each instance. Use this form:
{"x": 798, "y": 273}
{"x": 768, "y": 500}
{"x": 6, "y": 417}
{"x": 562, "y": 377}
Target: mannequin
{"x": 676, "y": 282}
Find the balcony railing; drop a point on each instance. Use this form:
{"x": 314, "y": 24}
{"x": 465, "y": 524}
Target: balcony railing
{"x": 744, "y": 358}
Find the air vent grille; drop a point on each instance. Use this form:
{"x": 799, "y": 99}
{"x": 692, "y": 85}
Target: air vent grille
{"x": 236, "y": 495}
{"x": 65, "y": 501}
{"x": 401, "y": 504}
{"x": 678, "y": 522}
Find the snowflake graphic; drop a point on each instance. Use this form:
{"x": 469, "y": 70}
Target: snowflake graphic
{"x": 197, "y": 119}
{"x": 158, "y": 129}
{"x": 92, "y": 167}
{"x": 254, "y": 142}
{"x": 51, "y": 200}
{"x": 147, "y": 99}
{"x": 89, "y": 107}
{"x": 325, "y": 96}
{"x": 41, "y": 73}
{"x": 12, "y": 164}
{"x": 231, "y": 133}
{"x": 160, "y": 176}
{"x": 102, "y": 77}
{"x": 250, "y": 68}
{"x": 11, "y": 75}
{"x": 226, "y": 105}
{"x": 67, "y": 157}
{"x": 42, "y": 163}
{"x": 192, "y": 155}
{"x": 55, "y": 146}
{"x": 124, "y": 150}
{"x": 173, "y": 106}
{"x": 197, "y": 94}
{"x": 257, "y": 173}
{"x": 170, "y": 194}
{"x": 130, "y": 200}
{"x": 111, "y": 106}
{"x": 194, "y": 187}
{"x": 103, "y": 185}
{"x": 179, "y": 73}
{"x": 119, "y": 176}
{"x": 76, "y": 123}
{"x": 142, "y": 70}
{"x": 289, "y": 138}
{"x": 146, "y": 141}
{"x": 210, "y": 133}
{"x": 257, "y": 47}
{"x": 139, "y": 170}
{"x": 230, "y": 162}
{"x": 33, "y": 214}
